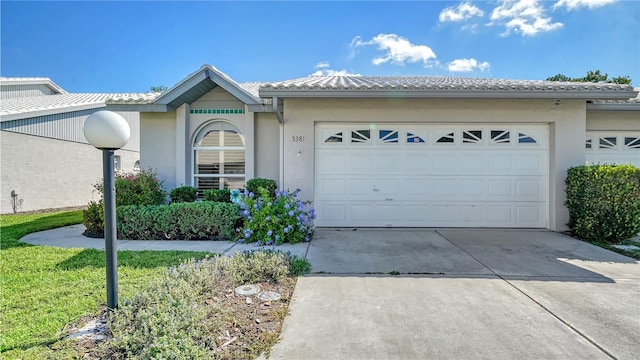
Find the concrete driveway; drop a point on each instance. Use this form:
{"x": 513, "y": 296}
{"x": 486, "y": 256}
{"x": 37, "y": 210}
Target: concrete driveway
{"x": 462, "y": 294}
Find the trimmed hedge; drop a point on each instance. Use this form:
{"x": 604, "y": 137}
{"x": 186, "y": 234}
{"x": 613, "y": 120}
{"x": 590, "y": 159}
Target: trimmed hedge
{"x": 218, "y": 195}
{"x": 183, "y": 194}
{"x": 604, "y": 202}
{"x": 179, "y": 221}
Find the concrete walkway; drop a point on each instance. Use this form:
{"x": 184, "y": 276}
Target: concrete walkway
{"x": 444, "y": 294}
{"x": 71, "y": 237}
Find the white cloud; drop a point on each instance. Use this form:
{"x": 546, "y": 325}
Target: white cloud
{"x": 322, "y": 65}
{"x": 576, "y": 4}
{"x": 526, "y": 17}
{"x": 467, "y": 65}
{"x": 329, "y": 72}
{"x": 461, "y": 12}
{"x": 398, "y": 50}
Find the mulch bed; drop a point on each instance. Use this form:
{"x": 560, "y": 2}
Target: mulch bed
{"x": 252, "y": 325}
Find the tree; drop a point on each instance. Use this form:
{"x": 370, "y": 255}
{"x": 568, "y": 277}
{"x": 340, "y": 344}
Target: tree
{"x": 593, "y": 76}
{"x": 160, "y": 88}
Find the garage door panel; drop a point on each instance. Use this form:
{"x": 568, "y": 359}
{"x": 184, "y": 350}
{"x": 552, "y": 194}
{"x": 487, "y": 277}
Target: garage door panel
{"x": 330, "y": 161}
{"x": 388, "y": 162}
{"x": 613, "y": 147}
{"x": 529, "y": 215}
{"x": 486, "y": 178}
{"x": 332, "y": 188}
{"x": 416, "y": 162}
{"x": 472, "y": 163}
{"x": 529, "y": 164}
{"x": 360, "y": 162}
{"x": 501, "y": 163}
{"x": 444, "y": 162}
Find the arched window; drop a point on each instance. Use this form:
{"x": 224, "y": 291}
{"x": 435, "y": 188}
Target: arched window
{"x": 218, "y": 155}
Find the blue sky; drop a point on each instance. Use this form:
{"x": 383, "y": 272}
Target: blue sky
{"x": 129, "y": 46}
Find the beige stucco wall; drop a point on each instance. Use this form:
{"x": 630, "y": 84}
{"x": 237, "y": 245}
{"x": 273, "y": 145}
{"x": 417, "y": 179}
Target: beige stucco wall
{"x": 566, "y": 121}
{"x": 158, "y": 145}
{"x": 167, "y": 138}
{"x": 267, "y": 145}
{"x": 48, "y": 173}
{"x": 613, "y": 120}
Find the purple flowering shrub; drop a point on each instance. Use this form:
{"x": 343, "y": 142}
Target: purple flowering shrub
{"x": 269, "y": 220}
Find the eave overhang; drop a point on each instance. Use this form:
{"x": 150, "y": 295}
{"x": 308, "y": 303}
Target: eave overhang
{"x": 444, "y": 93}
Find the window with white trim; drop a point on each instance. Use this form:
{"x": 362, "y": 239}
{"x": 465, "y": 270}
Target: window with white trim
{"x": 218, "y": 157}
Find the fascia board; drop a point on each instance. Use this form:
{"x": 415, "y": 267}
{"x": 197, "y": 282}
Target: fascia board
{"x": 180, "y": 89}
{"x": 394, "y": 93}
{"x": 615, "y": 107}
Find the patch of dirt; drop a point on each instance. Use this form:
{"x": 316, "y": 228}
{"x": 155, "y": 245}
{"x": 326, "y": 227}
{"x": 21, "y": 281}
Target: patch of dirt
{"x": 251, "y": 326}
{"x": 43, "y": 211}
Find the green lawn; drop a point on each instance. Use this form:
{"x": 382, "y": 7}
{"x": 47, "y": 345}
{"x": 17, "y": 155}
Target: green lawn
{"x": 42, "y": 289}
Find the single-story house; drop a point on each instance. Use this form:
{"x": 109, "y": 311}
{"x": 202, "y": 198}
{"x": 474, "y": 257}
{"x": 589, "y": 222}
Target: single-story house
{"x": 385, "y": 151}
{"x": 46, "y": 162}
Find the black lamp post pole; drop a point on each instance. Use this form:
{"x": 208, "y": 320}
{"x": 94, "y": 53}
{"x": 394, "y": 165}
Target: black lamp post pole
{"x": 110, "y": 232}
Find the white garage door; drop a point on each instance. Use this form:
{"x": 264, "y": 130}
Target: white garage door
{"x": 431, "y": 175}
{"x": 613, "y": 147}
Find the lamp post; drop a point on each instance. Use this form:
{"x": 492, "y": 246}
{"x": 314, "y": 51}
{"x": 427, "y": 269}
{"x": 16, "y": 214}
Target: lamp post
{"x": 108, "y": 132}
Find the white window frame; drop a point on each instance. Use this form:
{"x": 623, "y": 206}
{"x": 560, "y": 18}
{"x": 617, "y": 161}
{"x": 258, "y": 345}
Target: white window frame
{"x": 221, "y": 149}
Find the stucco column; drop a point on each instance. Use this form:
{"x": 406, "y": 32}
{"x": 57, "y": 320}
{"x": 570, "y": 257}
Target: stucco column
{"x": 567, "y": 149}
{"x": 182, "y": 144}
{"x": 249, "y": 148}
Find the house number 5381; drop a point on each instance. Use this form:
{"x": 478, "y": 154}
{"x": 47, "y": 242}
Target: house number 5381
{"x": 297, "y": 138}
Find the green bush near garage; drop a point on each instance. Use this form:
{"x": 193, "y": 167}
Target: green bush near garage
{"x": 604, "y": 202}
{"x": 180, "y": 221}
{"x": 218, "y": 195}
{"x": 183, "y": 194}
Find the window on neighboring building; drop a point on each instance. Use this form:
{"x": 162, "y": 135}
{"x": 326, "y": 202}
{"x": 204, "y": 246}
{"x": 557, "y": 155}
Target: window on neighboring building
{"x": 136, "y": 165}
{"x": 117, "y": 164}
{"x": 218, "y": 157}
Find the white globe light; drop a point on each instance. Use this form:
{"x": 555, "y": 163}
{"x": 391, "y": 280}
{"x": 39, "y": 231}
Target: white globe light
{"x": 106, "y": 130}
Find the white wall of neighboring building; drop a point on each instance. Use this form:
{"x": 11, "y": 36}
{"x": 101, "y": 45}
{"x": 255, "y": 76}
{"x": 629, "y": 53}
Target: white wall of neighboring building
{"x": 48, "y": 173}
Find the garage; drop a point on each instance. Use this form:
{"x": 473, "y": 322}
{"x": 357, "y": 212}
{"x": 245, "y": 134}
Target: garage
{"x": 431, "y": 175}
{"x": 613, "y": 147}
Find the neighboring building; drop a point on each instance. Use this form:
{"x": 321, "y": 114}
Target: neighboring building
{"x": 392, "y": 151}
{"x": 45, "y": 160}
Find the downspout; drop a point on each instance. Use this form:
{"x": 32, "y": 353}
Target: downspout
{"x": 280, "y": 118}
{"x": 276, "y": 110}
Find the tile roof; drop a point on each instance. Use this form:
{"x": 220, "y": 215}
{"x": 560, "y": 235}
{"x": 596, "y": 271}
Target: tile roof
{"x": 35, "y": 105}
{"x": 32, "y": 81}
{"x": 434, "y": 83}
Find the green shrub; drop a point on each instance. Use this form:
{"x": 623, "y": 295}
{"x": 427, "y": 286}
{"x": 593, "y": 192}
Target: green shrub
{"x": 93, "y": 218}
{"x": 254, "y": 184}
{"x": 168, "y": 320}
{"x": 604, "y": 202}
{"x": 278, "y": 220}
{"x": 256, "y": 266}
{"x": 218, "y": 195}
{"x": 179, "y": 221}
{"x": 142, "y": 188}
{"x": 163, "y": 323}
{"x": 183, "y": 194}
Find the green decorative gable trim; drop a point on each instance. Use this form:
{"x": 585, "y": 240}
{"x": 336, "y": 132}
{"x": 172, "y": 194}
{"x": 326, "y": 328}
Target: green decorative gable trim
{"x": 217, "y": 111}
